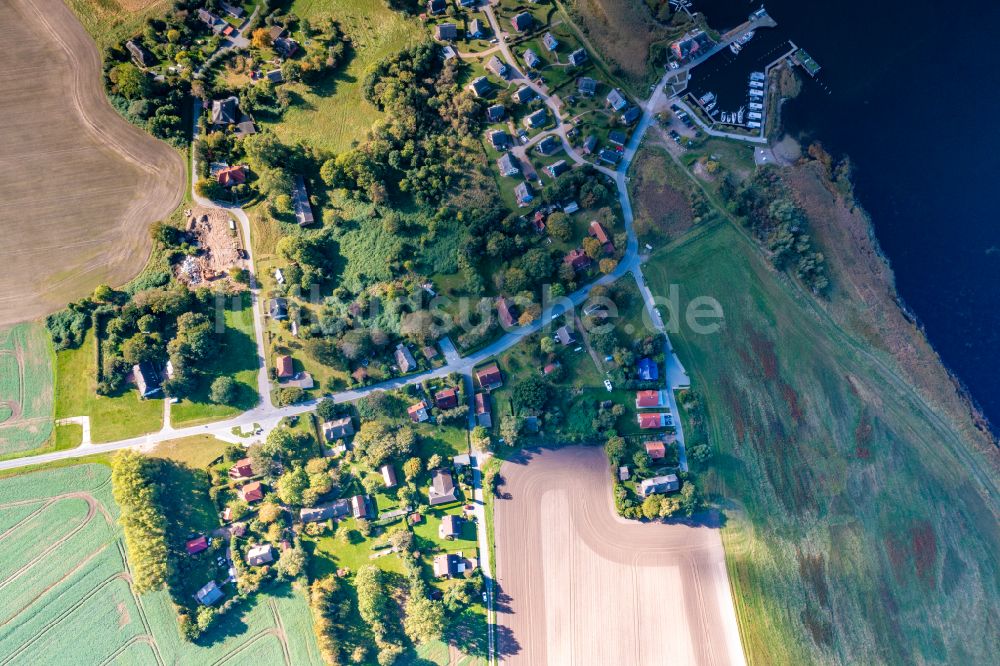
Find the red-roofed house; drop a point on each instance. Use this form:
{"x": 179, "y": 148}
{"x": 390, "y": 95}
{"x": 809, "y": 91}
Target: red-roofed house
{"x": 577, "y": 258}
{"x": 234, "y": 175}
{"x": 656, "y": 449}
{"x": 195, "y": 546}
{"x": 652, "y": 421}
{"x": 505, "y": 313}
{"x": 649, "y": 399}
{"x": 550, "y": 368}
{"x": 598, "y": 232}
{"x": 418, "y": 412}
{"x": 446, "y": 398}
{"x": 283, "y": 366}
{"x": 489, "y": 377}
{"x": 252, "y": 492}
{"x": 241, "y": 470}
{"x": 539, "y": 221}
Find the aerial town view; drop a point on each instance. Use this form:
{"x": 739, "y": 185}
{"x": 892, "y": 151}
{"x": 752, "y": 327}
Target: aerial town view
{"x": 499, "y": 332}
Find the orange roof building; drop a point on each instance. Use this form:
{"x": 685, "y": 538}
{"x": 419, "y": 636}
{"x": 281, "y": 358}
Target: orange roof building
{"x": 648, "y": 399}
{"x": 234, "y": 175}
{"x": 651, "y": 421}
{"x": 252, "y": 492}
{"x": 656, "y": 449}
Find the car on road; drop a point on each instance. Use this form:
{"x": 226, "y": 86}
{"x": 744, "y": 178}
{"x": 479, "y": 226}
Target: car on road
{"x": 607, "y": 385}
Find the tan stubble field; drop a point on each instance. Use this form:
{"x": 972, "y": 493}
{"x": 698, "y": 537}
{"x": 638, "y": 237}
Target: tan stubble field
{"x": 580, "y": 586}
{"x": 79, "y": 186}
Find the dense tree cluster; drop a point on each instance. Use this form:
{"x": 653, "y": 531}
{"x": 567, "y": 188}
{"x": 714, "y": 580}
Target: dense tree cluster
{"x": 133, "y": 482}
{"x": 773, "y": 215}
{"x": 418, "y": 148}
{"x": 157, "y": 325}
{"x": 156, "y": 103}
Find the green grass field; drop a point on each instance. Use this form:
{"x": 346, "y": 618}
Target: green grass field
{"x": 111, "y": 21}
{"x": 334, "y": 114}
{"x": 238, "y": 359}
{"x": 25, "y": 388}
{"x": 862, "y": 528}
{"x": 66, "y": 587}
{"x": 111, "y": 418}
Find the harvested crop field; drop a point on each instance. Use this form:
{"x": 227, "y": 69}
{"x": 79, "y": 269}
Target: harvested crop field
{"x": 578, "y": 585}
{"x": 64, "y": 576}
{"x": 79, "y": 185}
{"x": 25, "y": 388}
{"x": 110, "y": 21}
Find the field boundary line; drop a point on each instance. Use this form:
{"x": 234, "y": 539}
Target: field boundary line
{"x": 61, "y": 580}
{"x": 141, "y": 638}
{"x": 271, "y": 631}
{"x": 62, "y": 616}
{"x": 282, "y": 634}
{"x": 6, "y": 533}
{"x": 91, "y": 512}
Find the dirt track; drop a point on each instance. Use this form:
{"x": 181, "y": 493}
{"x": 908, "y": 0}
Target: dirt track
{"x": 578, "y": 585}
{"x": 79, "y": 185}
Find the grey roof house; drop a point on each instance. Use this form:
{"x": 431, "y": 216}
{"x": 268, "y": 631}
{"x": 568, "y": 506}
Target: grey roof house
{"x": 507, "y": 165}
{"x": 667, "y": 483}
{"x": 442, "y": 488}
{"x": 404, "y": 359}
{"x": 225, "y": 111}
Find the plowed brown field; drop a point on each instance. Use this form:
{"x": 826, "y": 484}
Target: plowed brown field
{"x": 79, "y": 186}
{"x": 579, "y": 586}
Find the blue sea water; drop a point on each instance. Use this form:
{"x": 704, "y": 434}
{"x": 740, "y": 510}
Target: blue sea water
{"x": 910, "y": 91}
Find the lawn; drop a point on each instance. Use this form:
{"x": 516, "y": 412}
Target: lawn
{"x": 237, "y": 359}
{"x": 111, "y": 21}
{"x": 333, "y": 115}
{"x": 70, "y": 580}
{"x": 111, "y": 418}
{"x": 862, "y": 528}
{"x": 25, "y": 388}
{"x": 198, "y": 451}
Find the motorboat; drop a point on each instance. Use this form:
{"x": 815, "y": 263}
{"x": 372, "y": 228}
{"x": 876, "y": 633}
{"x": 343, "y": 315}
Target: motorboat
{"x": 757, "y": 76}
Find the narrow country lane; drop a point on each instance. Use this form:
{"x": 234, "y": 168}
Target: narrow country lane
{"x": 267, "y": 415}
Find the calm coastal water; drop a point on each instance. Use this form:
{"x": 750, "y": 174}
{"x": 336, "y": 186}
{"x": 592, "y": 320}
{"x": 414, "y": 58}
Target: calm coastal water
{"x": 911, "y": 92}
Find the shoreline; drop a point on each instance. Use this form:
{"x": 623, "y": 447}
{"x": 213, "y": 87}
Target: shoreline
{"x": 842, "y": 189}
{"x": 923, "y": 356}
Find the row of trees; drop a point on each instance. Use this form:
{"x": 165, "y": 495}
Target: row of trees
{"x": 134, "y": 486}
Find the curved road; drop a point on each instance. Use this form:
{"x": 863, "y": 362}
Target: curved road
{"x": 267, "y": 415}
